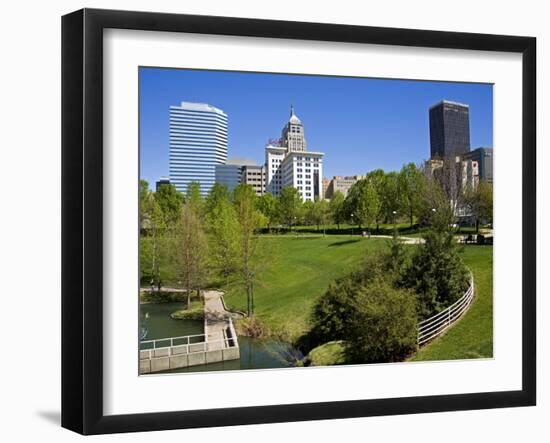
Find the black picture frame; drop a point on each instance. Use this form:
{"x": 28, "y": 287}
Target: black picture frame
{"x": 82, "y": 218}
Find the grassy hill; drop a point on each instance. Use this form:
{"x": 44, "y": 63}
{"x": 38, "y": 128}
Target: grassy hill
{"x": 299, "y": 270}
{"x": 472, "y": 335}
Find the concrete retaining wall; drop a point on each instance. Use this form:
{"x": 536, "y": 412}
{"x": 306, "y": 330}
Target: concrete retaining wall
{"x": 183, "y": 356}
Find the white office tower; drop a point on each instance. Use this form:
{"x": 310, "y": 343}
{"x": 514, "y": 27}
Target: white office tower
{"x": 198, "y": 142}
{"x": 290, "y": 164}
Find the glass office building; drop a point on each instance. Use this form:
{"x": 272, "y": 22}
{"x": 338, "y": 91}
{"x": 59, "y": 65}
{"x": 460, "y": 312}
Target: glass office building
{"x": 198, "y": 142}
{"x": 449, "y": 129}
{"x": 229, "y": 175}
{"x": 484, "y": 158}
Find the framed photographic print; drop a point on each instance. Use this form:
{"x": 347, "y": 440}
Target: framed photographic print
{"x": 269, "y": 221}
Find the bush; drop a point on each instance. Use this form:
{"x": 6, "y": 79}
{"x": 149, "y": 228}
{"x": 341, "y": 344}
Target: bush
{"x": 480, "y": 239}
{"x": 437, "y": 274}
{"x": 334, "y": 309}
{"x": 382, "y": 327}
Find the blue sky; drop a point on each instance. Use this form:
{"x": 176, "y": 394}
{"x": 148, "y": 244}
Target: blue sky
{"x": 359, "y": 123}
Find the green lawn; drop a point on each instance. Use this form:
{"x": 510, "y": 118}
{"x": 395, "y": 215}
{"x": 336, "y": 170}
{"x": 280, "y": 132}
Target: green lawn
{"x": 299, "y": 272}
{"x": 471, "y": 336}
{"x": 302, "y": 267}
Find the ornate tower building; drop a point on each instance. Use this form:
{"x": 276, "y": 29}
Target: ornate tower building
{"x": 293, "y": 134}
{"x": 288, "y": 163}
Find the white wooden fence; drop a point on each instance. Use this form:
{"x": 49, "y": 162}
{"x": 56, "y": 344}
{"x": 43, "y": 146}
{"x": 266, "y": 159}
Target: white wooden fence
{"x": 434, "y": 326}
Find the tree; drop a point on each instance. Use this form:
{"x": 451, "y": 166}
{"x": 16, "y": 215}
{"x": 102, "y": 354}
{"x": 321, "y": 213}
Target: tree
{"x": 223, "y": 227}
{"x": 290, "y": 204}
{"x": 194, "y": 197}
{"x": 479, "y": 201}
{"x": 308, "y": 213}
{"x": 411, "y": 183}
{"x": 434, "y": 207}
{"x": 192, "y": 250}
{"x": 320, "y": 213}
{"x": 337, "y": 208}
{"x": 156, "y": 227}
{"x": 217, "y": 194}
{"x": 143, "y": 202}
{"x": 170, "y": 202}
{"x": 377, "y": 178}
{"x": 268, "y": 205}
{"x": 363, "y": 202}
{"x": 390, "y": 197}
{"x": 249, "y": 220}
{"x": 436, "y": 274}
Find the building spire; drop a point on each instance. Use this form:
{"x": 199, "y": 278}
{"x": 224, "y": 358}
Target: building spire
{"x": 292, "y": 110}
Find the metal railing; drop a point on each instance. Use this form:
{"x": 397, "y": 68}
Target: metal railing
{"x": 434, "y": 326}
{"x": 189, "y": 344}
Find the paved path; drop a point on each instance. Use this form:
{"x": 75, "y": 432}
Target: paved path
{"x": 405, "y": 240}
{"x": 216, "y": 319}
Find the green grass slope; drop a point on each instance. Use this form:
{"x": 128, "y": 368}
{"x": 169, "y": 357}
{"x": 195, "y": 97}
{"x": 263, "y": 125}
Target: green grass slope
{"x": 298, "y": 271}
{"x": 472, "y": 335}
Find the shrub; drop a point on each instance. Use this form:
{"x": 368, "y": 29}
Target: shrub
{"x": 334, "y": 309}
{"x": 382, "y": 327}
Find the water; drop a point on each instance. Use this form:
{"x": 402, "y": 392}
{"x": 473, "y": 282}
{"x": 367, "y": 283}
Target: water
{"x": 155, "y": 317}
{"x": 255, "y": 353}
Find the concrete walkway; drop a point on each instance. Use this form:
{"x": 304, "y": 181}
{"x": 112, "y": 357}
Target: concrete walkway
{"x": 216, "y": 319}
{"x": 405, "y": 240}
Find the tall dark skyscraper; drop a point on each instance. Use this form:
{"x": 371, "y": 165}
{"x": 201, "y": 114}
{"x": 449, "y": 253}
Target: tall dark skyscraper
{"x": 449, "y": 129}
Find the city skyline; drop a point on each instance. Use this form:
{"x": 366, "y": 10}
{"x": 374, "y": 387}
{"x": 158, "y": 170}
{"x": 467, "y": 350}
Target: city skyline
{"x": 345, "y": 117}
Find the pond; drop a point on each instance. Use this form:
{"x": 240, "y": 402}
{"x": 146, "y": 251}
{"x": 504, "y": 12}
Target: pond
{"x": 255, "y": 353}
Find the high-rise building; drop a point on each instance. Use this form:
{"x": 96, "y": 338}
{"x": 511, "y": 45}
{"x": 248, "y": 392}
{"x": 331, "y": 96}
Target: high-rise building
{"x": 449, "y": 129}
{"x": 342, "y": 184}
{"x": 229, "y": 175}
{"x": 198, "y": 142}
{"x": 254, "y": 176}
{"x": 162, "y": 182}
{"x": 291, "y": 164}
{"x": 484, "y": 158}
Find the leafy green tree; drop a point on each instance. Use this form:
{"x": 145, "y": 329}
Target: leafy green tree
{"x": 308, "y": 213}
{"x": 436, "y": 274}
{"x": 156, "y": 228}
{"x": 143, "y": 202}
{"x": 290, "y": 205}
{"x": 382, "y": 324}
{"x": 218, "y": 193}
{"x": 320, "y": 213}
{"x": 193, "y": 196}
{"x": 363, "y": 202}
{"x": 390, "y": 198}
{"x": 170, "y": 202}
{"x": 337, "y": 208}
{"x": 479, "y": 202}
{"x": 434, "y": 207}
{"x": 411, "y": 189}
{"x": 223, "y": 227}
{"x": 269, "y": 206}
{"x": 191, "y": 250}
{"x": 250, "y": 219}
{"x": 377, "y": 179}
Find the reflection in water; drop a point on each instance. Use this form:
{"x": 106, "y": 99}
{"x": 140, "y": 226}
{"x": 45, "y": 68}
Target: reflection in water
{"x": 255, "y": 353}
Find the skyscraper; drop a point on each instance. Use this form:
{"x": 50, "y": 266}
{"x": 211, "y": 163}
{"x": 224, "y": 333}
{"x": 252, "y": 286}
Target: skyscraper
{"x": 484, "y": 158}
{"x": 449, "y": 129}
{"x": 198, "y": 142}
{"x": 291, "y": 164}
